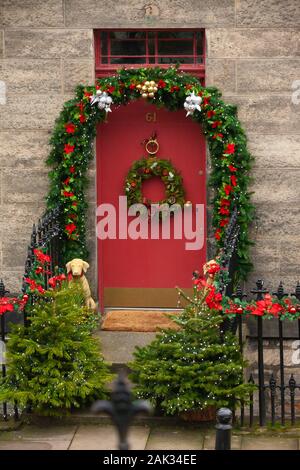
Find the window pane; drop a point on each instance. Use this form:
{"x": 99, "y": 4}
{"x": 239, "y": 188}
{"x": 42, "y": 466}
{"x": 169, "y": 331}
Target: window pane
{"x": 128, "y": 48}
{"x": 175, "y": 60}
{"x": 199, "y": 39}
{"x": 127, "y": 60}
{"x": 128, "y": 35}
{"x": 175, "y": 34}
{"x": 175, "y": 48}
{"x": 103, "y": 43}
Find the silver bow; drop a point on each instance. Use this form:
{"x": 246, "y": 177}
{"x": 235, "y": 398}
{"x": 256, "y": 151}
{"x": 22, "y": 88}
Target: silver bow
{"x": 103, "y": 99}
{"x": 192, "y": 102}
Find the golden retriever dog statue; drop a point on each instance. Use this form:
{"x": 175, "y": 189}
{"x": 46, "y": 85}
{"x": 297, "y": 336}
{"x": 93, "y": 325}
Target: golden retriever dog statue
{"x": 76, "y": 268}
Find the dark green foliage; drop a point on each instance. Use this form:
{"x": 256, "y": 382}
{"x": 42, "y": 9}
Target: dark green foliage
{"x": 193, "y": 367}
{"x": 54, "y": 364}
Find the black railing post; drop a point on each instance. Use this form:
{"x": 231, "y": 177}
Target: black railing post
{"x": 272, "y": 385}
{"x": 292, "y": 387}
{"x": 251, "y": 411}
{"x": 260, "y": 291}
{"x": 223, "y": 429}
{"x": 280, "y": 294}
{"x": 121, "y": 409}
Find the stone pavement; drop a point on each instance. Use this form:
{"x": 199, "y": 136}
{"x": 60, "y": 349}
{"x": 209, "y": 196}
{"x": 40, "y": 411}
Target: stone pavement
{"x": 148, "y": 437}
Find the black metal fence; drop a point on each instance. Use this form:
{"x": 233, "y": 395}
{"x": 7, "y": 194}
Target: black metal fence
{"x": 47, "y": 235}
{"x": 277, "y": 399}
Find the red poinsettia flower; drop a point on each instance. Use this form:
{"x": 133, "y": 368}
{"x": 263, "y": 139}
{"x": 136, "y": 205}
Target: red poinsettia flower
{"x": 224, "y": 202}
{"x": 266, "y": 306}
{"x": 68, "y": 194}
{"x": 34, "y": 286}
{"x": 232, "y": 168}
{"x": 230, "y": 149}
{"x": 67, "y": 181}
{"x": 218, "y": 234}
{"x": 110, "y": 89}
{"x": 75, "y": 203}
{"x": 214, "y": 299}
{"x": 206, "y": 101}
{"x": 132, "y": 86}
{"x": 210, "y": 113}
{"x": 41, "y": 257}
{"x": 69, "y": 148}
{"x": 6, "y": 305}
{"x": 82, "y": 118}
{"x": 87, "y": 94}
{"x": 188, "y": 87}
{"x": 81, "y": 105}
{"x": 224, "y": 211}
{"x": 70, "y": 228}
{"x": 53, "y": 281}
{"x": 200, "y": 282}
{"x": 216, "y": 124}
{"x": 174, "y": 88}
{"x": 215, "y": 136}
{"x": 72, "y": 169}
{"x": 233, "y": 180}
{"x": 70, "y": 128}
{"x": 224, "y": 222}
{"x": 228, "y": 189}
{"x": 161, "y": 84}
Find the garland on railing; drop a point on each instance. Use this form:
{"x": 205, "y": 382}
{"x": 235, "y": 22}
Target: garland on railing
{"x": 75, "y": 129}
{"x": 268, "y": 307}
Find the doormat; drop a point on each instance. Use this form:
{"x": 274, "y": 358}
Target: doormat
{"x": 137, "y": 320}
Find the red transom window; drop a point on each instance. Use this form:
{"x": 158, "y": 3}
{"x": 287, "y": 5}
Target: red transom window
{"x": 119, "y": 48}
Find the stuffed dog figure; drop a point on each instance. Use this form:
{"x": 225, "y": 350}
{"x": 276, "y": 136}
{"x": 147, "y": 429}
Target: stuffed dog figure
{"x": 76, "y": 268}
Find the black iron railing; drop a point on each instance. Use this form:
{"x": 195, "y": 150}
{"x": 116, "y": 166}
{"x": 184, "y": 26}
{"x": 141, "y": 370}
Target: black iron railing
{"x": 46, "y": 235}
{"x": 278, "y": 392}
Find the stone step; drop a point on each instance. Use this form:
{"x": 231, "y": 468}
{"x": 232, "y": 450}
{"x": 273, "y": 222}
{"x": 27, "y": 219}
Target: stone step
{"x": 118, "y": 346}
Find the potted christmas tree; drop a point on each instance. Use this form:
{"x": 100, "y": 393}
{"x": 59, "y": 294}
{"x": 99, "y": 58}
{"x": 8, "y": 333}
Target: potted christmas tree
{"x": 195, "y": 369}
{"x": 54, "y": 363}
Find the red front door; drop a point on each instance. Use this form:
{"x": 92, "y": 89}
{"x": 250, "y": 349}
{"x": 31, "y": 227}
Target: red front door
{"x": 144, "y": 273}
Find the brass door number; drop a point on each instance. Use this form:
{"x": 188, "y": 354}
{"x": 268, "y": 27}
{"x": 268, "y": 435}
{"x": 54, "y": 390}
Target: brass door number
{"x": 151, "y": 117}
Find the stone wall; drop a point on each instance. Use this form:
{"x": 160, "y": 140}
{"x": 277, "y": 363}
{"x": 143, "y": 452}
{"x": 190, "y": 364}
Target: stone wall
{"x": 253, "y": 48}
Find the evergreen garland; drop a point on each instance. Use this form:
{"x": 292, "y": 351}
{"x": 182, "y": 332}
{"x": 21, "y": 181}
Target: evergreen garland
{"x": 72, "y": 150}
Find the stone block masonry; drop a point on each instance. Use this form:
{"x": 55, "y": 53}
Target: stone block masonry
{"x": 253, "y": 56}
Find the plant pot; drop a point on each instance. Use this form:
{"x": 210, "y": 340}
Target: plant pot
{"x": 208, "y": 414}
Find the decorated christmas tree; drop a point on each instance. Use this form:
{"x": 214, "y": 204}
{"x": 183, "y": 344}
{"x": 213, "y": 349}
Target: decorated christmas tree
{"x": 54, "y": 364}
{"x": 195, "y": 366}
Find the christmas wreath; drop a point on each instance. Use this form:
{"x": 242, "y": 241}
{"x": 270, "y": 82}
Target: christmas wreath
{"x": 147, "y": 168}
{"x": 75, "y": 130}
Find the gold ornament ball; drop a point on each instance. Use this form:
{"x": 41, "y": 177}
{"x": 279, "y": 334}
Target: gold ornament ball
{"x": 139, "y": 86}
{"x": 152, "y": 83}
{"x": 155, "y": 89}
{"x": 151, "y": 95}
{"x": 145, "y": 95}
{"x": 147, "y": 83}
{"x": 144, "y": 88}
{"x": 150, "y": 89}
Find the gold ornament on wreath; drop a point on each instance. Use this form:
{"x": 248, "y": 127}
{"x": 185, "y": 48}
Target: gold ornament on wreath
{"x": 147, "y": 89}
